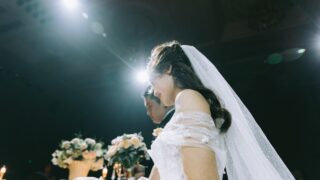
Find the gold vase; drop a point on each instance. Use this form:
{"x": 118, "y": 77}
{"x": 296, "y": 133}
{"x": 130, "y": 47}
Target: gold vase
{"x": 79, "y": 169}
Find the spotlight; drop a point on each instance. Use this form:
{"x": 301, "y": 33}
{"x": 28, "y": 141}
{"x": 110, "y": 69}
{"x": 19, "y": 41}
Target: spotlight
{"x": 301, "y": 51}
{"x": 142, "y": 76}
{"x": 70, "y": 4}
{"x": 293, "y": 54}
{"x": 286, "y": 56}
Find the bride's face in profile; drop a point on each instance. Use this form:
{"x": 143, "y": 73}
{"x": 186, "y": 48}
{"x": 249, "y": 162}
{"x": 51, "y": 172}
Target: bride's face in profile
{"x": 164, "y": 87}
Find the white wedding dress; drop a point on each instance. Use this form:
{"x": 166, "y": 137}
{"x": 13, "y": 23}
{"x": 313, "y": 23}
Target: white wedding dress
{"x": 193, "y": 129}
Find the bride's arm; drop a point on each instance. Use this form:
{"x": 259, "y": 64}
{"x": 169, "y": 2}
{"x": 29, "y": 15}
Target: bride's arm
{"x": 154, "y": 175}
{"x": 199, "y": 163}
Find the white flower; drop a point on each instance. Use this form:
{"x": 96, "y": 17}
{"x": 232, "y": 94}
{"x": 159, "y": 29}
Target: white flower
{"x": 83, "y": 146}
{"x": 112, "y": 151}
{"x": 75, "y": 141}
{"x": 69, "y": 151}
{"x": 67, "y": 161}
{"x": 54, "y": 154}
{"x": 98, "y": 146}
{"x": 65, "y": 144}
{"x": 99, "y": 153}
{"x": 90, "y": 141}
{"x": 116, "y": 140}
{"x": 123, "y": 144}
{"x": 136, "y": 141}
{"x": 132, "y": 135}
{"x": 59, "y": 153}
{"x": 54, "y": 161}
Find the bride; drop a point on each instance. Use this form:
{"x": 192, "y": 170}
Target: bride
{"x": 211, "y": 129}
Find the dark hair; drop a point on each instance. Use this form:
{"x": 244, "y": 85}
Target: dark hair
{"x": 148, "y": 93}
{"x": 171, "y": 54}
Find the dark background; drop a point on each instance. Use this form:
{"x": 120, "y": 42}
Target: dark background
{"x": 62, "y": 74}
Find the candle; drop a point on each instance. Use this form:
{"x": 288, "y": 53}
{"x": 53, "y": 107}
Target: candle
{"x": 104, "y": 172}
{"x": 2, "y": 172}
{"x": 117, "y": 169}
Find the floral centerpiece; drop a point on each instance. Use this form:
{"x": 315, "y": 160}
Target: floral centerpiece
{"x": 79, "y": 156}
{"x": 127, "y": 150}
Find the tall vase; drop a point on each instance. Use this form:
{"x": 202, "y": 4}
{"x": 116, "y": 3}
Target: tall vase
{"x": 79, "y": 169}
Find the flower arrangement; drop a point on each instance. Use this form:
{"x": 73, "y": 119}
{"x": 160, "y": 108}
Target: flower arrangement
{"x": 128, "y": 150}
{"x": 77, "y": 150}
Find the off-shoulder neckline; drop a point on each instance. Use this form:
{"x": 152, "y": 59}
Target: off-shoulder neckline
{"x": 192, "y": 112}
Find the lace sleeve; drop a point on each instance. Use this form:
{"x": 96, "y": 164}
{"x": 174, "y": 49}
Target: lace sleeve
{"x": 195, "y": 129}
{"x": 192, "y": 129}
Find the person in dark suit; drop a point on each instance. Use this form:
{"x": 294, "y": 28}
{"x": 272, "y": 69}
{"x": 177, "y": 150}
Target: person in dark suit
{"x": 158, "y": 113}
{"x": 160, "y": 116}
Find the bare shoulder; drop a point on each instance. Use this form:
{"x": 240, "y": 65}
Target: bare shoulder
{"x": 190, "y": 100}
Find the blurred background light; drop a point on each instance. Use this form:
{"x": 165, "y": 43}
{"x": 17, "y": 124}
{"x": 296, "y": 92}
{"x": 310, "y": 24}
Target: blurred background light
{"x": 85, "y": 15}
{"x": 97, "y": 28}
{"x": 70, "y": 4}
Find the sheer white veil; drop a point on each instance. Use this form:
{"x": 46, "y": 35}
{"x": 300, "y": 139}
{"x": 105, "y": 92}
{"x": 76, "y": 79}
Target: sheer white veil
{"x": 249, "y": 153}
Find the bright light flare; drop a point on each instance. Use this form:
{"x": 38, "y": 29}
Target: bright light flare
{"x": 301, "y": 51}
{"x": 70, "y": 4}
{"x": 142, "y": 76}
